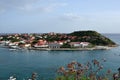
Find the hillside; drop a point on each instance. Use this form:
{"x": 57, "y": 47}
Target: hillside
{"x": 93, "y": 37}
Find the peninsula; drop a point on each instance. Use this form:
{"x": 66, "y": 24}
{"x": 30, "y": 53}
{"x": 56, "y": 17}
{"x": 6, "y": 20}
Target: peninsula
{"x": 78, "y": 40}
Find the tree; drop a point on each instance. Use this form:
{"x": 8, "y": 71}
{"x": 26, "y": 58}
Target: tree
{"x": 66, "y": 45}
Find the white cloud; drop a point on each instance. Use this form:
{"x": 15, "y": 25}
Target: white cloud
{"x": 52, "y": 7}
{"x": 15, "y": 4}
{"x": 71, "y": 17}
{"x": 30, "y": 5}
{"x": 2, "y": 10}
{"x": 25, "y": 7}
{"x": 44, "y": 8}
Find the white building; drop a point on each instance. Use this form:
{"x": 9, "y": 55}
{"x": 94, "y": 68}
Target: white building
{"x": 79, "y": 44}
{"x": 84, "y": 44}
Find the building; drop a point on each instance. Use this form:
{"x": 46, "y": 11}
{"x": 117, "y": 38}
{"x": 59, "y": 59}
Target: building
{"x": 27, "y": 45}
{"x": 79, "y": 44}
{"x": 84, "y": 44}
{"x": 75, "y": 44}
{"x": 54, "y": 45}
{"x": 41, "y": 44}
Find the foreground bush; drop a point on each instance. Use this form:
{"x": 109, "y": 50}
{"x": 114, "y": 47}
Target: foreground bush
{"x": 89, "y": 71}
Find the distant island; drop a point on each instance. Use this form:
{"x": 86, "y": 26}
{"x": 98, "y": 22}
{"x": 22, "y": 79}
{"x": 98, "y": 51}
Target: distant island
{"x": 77, "y": 40}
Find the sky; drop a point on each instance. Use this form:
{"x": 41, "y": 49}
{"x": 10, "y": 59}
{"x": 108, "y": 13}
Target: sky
{"x": 61, "y": 16}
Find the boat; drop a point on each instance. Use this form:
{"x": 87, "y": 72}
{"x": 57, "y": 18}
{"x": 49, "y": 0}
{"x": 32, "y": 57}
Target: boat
{"x": 12, "y": 49}
{"x": 12, "y": 78}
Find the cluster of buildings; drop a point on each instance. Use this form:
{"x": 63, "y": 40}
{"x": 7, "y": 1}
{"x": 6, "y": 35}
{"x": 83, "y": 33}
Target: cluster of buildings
{"x": 38, "y": 41}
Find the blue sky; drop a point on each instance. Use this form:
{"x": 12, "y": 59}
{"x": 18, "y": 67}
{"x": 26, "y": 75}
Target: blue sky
{"x": 38, "y": 16}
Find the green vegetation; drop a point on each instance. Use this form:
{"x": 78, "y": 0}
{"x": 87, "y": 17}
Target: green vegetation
{"x": 84, "y": 33}
{"x": 14, "y": 40}
{"x": 93, "y": 37}
{"x": 66, "y": 45}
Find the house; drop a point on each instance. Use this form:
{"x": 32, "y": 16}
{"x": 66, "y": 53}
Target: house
{"x": 22, "y": 45}
{"x": 52, "y": 33}
{"x": 13, "y": 45}
{"x": 27, "y": 45}
{"x": 41, "y": 44}
{"x": 1, "y": 37}
{"x": 32, "y": 38}
{"x": 60, "y": 42}
{"x": 7, "y": 42}
{"x": 84, "y": 44}
{"x": 3, "y": 43}
{"x": 75, "y": 44}
{"x": 79, "y": 44}
{"x": 54, "y": 45}
{"x": 23, "y": 41}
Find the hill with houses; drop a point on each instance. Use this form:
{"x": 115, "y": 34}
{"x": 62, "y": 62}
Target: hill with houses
{"x": 77, "y": 39}
{"x": 92, "y": 37}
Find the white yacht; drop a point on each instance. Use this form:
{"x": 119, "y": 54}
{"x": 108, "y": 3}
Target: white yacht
{"x": 12, "y": 78}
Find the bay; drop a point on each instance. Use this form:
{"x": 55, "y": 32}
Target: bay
{"x": 22, "y": 63}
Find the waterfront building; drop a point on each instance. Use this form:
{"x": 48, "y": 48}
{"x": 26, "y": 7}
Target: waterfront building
{"x": 54, "y": 45}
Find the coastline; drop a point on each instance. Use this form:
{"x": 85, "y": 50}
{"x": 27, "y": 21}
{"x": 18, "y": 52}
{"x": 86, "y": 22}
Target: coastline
{"x": 64, "y": 49}
{"x": 72, "y": 49}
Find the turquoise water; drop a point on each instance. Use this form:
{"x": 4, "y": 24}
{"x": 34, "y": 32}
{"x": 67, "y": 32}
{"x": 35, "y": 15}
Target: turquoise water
{"x": 45, "y": 63}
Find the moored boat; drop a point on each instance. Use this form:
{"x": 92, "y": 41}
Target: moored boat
{"x": 12, "y": 78}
